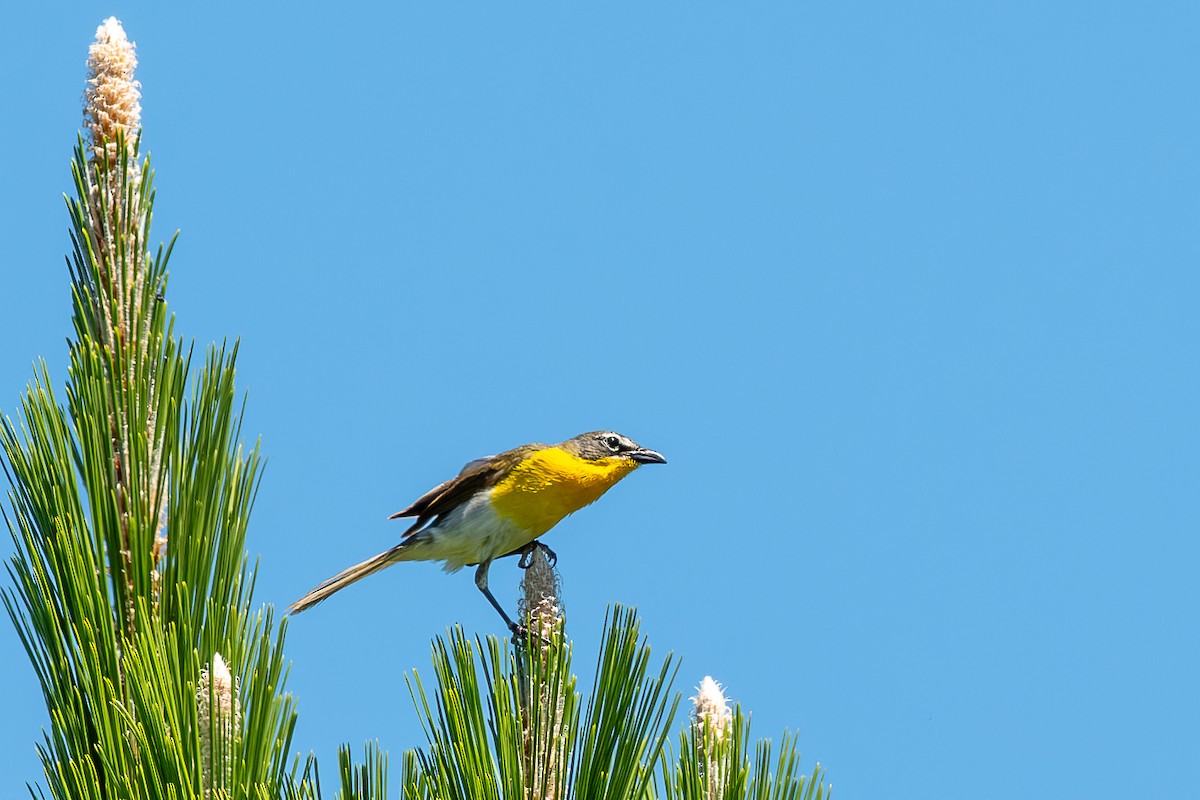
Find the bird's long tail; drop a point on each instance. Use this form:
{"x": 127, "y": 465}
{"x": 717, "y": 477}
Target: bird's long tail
{"x": 401, "y": 552}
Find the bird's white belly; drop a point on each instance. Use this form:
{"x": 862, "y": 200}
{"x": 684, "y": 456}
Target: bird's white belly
{"x": 470, "y": 534}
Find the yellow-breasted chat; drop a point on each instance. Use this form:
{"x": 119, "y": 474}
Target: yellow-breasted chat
{"x": 499, "y": 505}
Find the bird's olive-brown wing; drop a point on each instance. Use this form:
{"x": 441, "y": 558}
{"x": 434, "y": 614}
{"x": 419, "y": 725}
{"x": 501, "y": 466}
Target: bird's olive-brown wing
{"x": 480, "y": 474}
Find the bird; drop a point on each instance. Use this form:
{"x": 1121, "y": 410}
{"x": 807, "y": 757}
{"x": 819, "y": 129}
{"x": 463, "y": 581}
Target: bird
{"x": 499, "y": 506}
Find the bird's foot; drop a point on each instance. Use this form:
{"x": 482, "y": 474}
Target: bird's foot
{"x": 527, "y": 554}
{"x": 520, "y": 635}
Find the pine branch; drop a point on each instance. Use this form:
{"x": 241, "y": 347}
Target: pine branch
{"x": 131, "y": 590}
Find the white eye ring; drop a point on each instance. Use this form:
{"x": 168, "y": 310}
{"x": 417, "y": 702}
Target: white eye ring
{"x": 612, "y": 443}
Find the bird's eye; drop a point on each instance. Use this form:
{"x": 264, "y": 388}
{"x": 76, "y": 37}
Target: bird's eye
{"x": 612, "y": 443}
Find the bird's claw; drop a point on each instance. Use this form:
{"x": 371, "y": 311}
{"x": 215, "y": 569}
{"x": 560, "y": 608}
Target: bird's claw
{"x": 521, "y": 635}
{"x": 526, "y": 560}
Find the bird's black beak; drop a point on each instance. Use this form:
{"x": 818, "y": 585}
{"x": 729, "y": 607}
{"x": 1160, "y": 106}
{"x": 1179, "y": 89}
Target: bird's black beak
{"x": 644, "y": 455}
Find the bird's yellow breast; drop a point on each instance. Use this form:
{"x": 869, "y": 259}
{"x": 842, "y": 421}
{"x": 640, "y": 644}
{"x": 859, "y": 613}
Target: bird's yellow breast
{"x": 552, "y": 483}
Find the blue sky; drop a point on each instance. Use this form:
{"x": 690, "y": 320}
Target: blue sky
{"x": 907, "y": 295}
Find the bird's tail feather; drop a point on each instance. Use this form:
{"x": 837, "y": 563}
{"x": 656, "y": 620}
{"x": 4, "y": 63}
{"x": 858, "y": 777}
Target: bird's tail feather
{"x": 401, "y": 552}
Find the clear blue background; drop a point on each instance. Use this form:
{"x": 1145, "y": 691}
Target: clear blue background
{"x": 907, "y": 294}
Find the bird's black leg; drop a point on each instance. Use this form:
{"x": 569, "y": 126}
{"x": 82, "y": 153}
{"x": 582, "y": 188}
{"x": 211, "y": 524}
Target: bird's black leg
{"x": 528, "y": 550}
{"x": 481, "y": 574}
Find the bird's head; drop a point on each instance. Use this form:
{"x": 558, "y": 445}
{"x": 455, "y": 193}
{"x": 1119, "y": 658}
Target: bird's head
{"x": 596, "y": 445}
